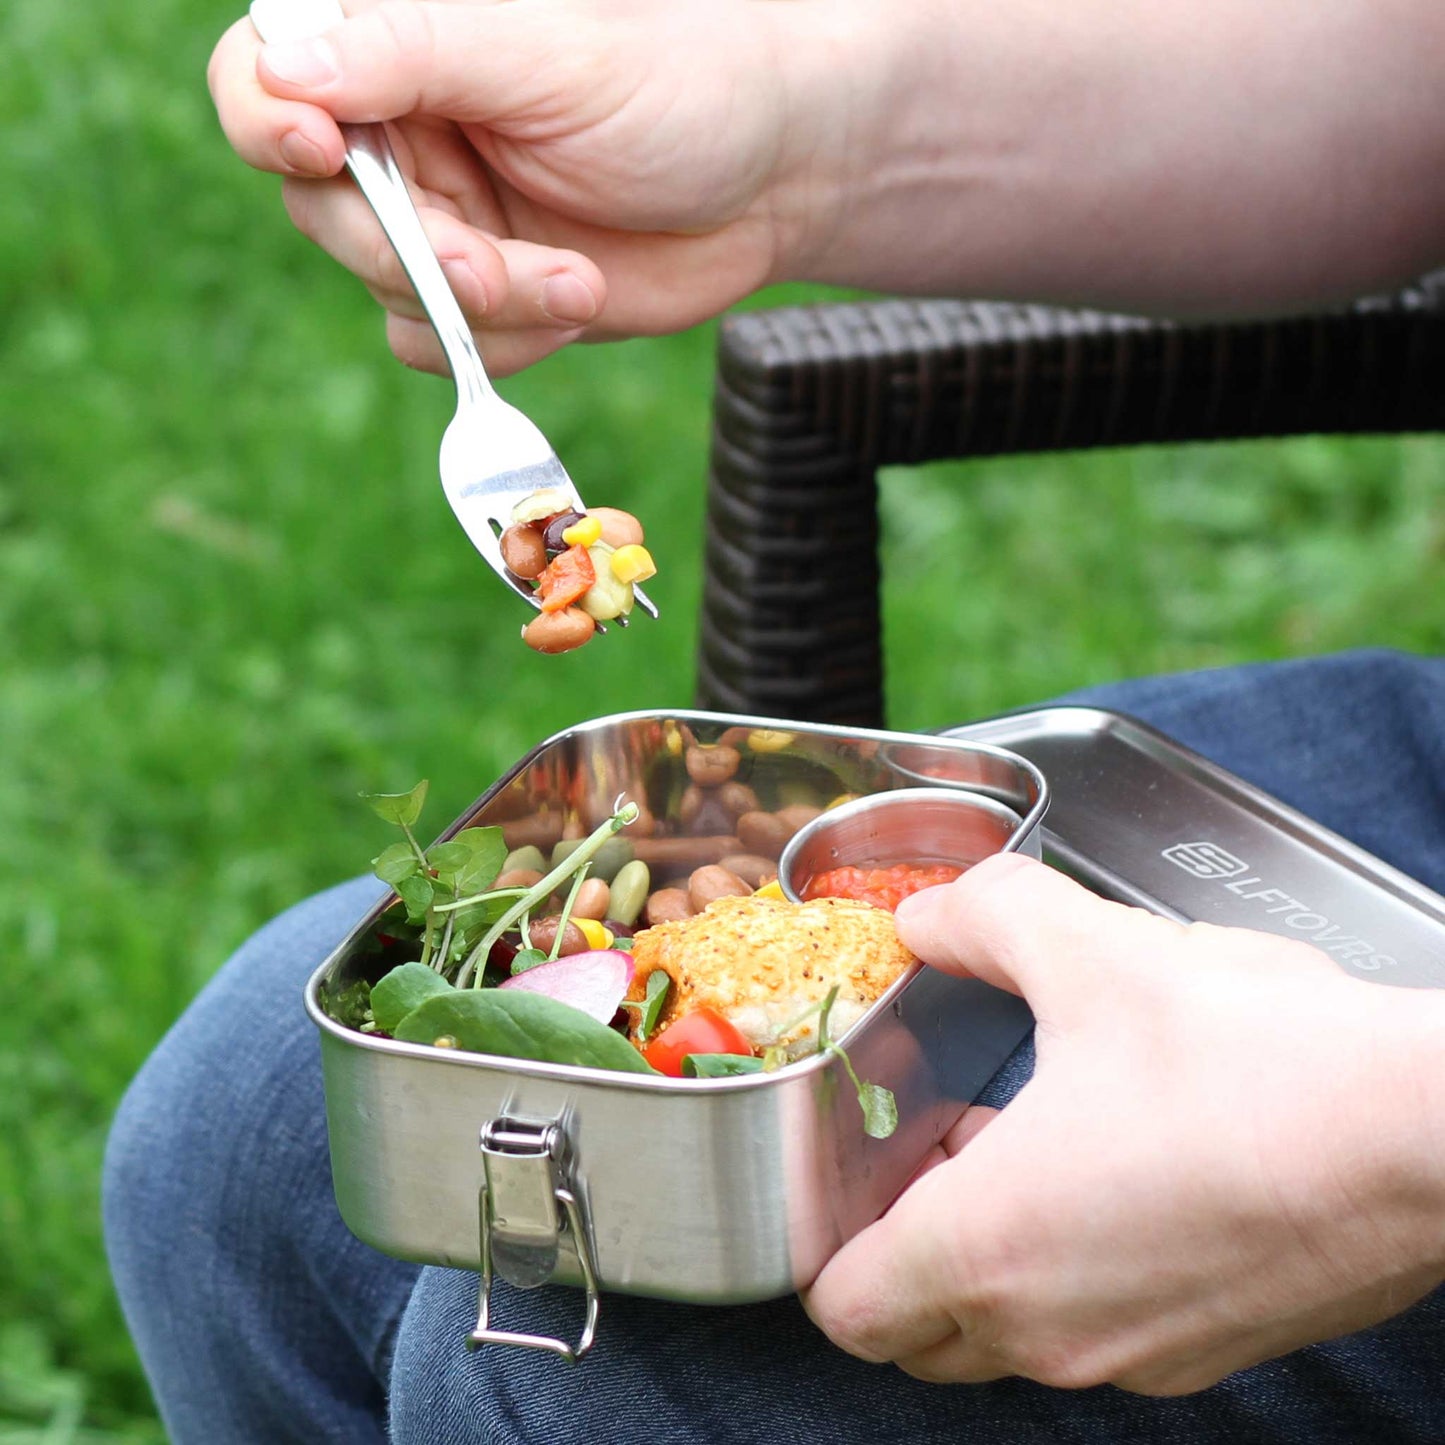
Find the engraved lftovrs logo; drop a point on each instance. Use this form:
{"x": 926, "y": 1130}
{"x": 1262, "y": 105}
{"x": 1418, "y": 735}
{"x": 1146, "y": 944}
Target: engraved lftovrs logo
{"x": 1205, "y": 860}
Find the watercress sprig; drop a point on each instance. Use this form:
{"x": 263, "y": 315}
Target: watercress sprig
{"x": 578, "y": 858}
{"x": 880, "y": 1108}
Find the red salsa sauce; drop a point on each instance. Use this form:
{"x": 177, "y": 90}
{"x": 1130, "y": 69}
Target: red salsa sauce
{"x": 882, "y": 887}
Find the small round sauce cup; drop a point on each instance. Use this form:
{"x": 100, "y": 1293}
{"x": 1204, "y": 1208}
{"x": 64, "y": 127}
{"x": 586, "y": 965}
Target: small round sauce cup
{"x": 903, "y": 826}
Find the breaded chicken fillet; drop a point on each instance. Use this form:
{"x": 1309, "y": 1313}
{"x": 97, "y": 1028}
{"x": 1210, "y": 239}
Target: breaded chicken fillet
{"x": 761, "y": 962}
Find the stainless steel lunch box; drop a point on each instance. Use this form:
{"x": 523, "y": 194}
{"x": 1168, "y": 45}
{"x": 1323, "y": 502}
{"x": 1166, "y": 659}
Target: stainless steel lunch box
{"x": 706, "y": 1190}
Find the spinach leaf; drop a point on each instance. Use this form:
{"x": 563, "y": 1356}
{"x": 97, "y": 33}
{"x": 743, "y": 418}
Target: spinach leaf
{"x": 398, "y": 992}
{"x": 518, "y": 1024}
{"x": 720, "y": 1066}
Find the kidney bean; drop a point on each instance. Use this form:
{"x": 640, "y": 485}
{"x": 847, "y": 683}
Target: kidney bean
{"x": 667, "y": 905}
{"x": 708, "y": 884}
{"x": 592, "y": 900}
{"x": 523, "y": 551}
{"x": 543, "y": 933}
{"x": 561, "y": 631}
{"x": 552, "y": 536}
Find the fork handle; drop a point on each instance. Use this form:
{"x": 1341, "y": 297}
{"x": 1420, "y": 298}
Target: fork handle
{"x": 372, "y": 163}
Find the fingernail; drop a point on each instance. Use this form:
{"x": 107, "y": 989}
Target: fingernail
{"x": 302, "y": 154}
{"x": 463, "y": 280}
{"x": 302, "y": 62}
{"x": 566, "y": 298}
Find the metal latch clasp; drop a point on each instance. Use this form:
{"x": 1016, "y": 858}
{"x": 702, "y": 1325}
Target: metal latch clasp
{"x": 527, "y": 1212}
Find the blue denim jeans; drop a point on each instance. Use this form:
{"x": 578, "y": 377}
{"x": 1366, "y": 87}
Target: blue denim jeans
{"x": 260, "y": 1318}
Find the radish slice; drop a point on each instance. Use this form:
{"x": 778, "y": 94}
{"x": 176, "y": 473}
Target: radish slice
{"x": 594, "y": 982}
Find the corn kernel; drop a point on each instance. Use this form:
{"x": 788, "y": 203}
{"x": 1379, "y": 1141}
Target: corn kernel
{"x": 771, "y": 890}
{"x": 583, "y": 532}
{"x": 633, "y": 563}
{"x": 596, "y": 935}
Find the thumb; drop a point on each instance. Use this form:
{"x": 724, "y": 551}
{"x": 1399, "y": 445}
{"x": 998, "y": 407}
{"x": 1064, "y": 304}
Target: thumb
{"x": 478, "y": 63}
{"x": 1026, "y": 928}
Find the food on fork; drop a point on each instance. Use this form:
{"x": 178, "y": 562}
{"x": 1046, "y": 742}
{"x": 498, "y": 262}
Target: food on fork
{"x": 582, "y": 565}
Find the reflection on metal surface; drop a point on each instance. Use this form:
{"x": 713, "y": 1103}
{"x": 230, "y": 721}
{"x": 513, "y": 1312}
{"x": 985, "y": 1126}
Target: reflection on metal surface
{"x": 1141, "y": 819}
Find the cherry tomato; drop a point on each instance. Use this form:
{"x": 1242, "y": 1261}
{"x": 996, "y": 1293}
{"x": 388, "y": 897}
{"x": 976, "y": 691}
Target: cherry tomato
{"x": 703, "y": 1031}
{"x": 882, "y": 887}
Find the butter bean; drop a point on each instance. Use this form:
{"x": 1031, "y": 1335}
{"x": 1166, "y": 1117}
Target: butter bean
{"x": 629, "y": 891}
{"x": 530, "y": 857}
{"x": 605, "y": 861}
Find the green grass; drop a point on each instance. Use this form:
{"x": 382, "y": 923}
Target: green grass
{"x": 231, "y": 598}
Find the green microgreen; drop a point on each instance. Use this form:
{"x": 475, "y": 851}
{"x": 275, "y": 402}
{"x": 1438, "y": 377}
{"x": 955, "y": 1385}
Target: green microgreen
{"x": 471, "y": 969}
{"x": 649, "y": 1006}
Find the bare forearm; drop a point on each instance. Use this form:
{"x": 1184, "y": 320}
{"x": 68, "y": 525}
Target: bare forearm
{"x": 1222, "y": 158}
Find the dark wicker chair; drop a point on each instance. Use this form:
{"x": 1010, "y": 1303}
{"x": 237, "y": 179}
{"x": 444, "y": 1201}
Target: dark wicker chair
{"x": 811, "y": 401}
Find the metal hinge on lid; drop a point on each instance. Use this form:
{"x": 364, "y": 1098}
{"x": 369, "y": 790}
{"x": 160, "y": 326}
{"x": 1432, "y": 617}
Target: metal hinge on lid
{"x": 526, "y": 1211}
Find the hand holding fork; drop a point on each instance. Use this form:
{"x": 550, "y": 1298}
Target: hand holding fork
{"x": 493, "y": 458}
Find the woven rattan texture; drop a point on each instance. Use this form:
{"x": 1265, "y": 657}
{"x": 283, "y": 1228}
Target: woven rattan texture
{"x": 811, "y": 401}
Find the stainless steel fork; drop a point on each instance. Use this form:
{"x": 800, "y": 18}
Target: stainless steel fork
{"x": 492, "y": 456}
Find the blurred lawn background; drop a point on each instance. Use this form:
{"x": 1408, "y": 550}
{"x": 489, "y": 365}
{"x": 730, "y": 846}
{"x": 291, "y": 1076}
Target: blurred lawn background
{"x": 231, "y": 597}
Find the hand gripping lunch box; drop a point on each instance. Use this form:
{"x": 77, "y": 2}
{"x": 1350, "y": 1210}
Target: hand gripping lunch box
{"x": 707, "y": 1190}
{"x": 729, "y": 1190}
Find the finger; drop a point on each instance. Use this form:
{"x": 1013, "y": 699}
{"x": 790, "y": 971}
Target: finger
{"x": 500, "y": 284}
{"x": 957, "y": 1360}
{"x": 268, "y": 132}
{"x": 415, "y": 344}
{"x": 1025, "y": 927}
{"x": 970, "y": 1125}
{"x": 470, "y": 63}
{"x": 890, "y": 1291}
